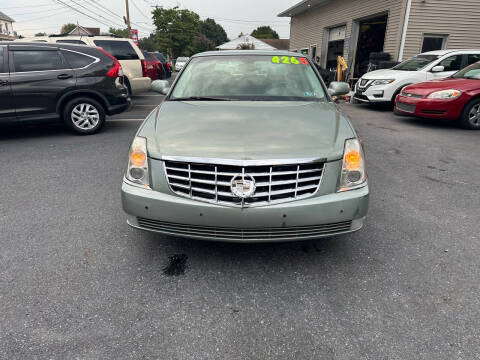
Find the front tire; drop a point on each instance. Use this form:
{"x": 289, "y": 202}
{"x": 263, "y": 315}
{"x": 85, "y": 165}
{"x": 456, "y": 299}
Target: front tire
{"x": 470, "y": 118}
{"x": 85, "y": 116}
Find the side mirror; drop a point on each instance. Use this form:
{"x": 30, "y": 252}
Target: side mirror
{"x": 161, "y": 86}
{"x": 438, "y": 68}
{"x": 338, "y": 88}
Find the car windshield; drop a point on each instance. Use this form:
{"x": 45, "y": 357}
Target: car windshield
{"x": 470, "y": 72}
{"x": 416, "y": 63}
{"x": 249, "y": 77}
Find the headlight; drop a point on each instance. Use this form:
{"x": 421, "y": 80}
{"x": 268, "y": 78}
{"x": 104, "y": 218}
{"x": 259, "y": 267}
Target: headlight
{"x": 383, "y": 82}
{"x": 445, "y": 94}
{"x": 137, "y": 169}
{"x": 353, "y": 168}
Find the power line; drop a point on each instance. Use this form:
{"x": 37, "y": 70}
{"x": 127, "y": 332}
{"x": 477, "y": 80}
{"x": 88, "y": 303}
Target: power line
{"x": 81, "y": 12}
{"x": 34, "y": 12}
{"x": 45, "y": 16}
{"x": 90, "y": 10}
{"x": 24, "y": 7}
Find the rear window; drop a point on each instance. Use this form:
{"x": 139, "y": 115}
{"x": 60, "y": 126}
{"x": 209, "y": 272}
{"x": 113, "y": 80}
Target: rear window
{"x": 37, "y": 60}
{"x": 160, "y": 57}
{"x": 79, "y": 42}
{"x": 122, "y": 50}
{"x": 77, "y": 60}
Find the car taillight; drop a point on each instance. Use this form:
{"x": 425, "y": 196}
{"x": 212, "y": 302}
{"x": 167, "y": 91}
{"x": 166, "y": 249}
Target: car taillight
{"x": 116, "y": 69}
{"x": 144, "y": 68}
{"x": 169, "y": 65}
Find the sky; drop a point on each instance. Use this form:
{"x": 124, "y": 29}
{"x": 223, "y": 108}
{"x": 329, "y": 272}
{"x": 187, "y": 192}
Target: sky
{"x": 236, "y": 16}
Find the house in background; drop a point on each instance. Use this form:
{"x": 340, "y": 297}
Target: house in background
{"x": 403, "y": 28}
{"x": 245, "y": 39}
{"x": 279, "y": 44}
{"x": 85, "y": 31}
{"x": 6, "y": 27}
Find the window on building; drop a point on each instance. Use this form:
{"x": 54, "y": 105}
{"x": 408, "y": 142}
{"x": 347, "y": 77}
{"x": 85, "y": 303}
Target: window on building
{"x": 434, "y": 42}
{"x": 1, "y": 28}
{"x": 1, "y": 59}
{"x": 473, "y": 58}
{"x": 37, "y": 60}
{"x": 452, "y": 63}
{"x": 313, "y": 52}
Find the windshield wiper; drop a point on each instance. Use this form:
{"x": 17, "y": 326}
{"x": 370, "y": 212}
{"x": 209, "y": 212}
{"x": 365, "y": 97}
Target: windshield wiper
{"x": 200, "y": 98}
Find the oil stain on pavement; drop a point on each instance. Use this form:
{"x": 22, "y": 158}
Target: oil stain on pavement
{"x": 176, "y": 265}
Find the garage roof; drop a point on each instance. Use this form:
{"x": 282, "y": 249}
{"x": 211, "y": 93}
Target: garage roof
{"x": 301, "y": 7}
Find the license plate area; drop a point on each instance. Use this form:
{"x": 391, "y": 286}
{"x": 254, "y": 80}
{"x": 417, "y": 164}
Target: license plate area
{"x": 410, "y": 108}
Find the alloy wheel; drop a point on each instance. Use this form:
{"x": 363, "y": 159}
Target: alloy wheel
{"x": 85, "y": 116}
{"x": 474, "y": 115}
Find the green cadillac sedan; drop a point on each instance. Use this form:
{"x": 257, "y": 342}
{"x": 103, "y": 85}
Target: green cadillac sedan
{"x": 248, "y": 146}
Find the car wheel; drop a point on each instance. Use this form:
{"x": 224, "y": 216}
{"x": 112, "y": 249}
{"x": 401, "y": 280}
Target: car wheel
{"x": 471, "y": 115}
{"x": 84, "y": 115}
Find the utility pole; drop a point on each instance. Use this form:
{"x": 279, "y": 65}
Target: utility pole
{"x": 128, "y": 19}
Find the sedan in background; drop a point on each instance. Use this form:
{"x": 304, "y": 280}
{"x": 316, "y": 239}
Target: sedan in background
{"x": 167, "y": 66}
{"x": 454, "y": 98}
{"x": 248, "y": 146}
{"x": 180, "y": 63}
{"x": 154, "y": 68}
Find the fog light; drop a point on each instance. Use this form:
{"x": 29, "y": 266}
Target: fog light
{"x": 354, "y": 176}
{"x": 137, "y": 173}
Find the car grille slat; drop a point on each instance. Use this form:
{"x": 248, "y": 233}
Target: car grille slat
{"x": 244, "y": 234}
{"x": 275, "y": 183}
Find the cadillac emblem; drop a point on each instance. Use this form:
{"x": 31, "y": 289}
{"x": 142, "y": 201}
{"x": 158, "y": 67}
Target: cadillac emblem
{"x": 243, "y": 185}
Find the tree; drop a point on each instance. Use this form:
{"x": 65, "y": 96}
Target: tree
{"x": 246, "y": 46}
{"x": 213, "y": 31}
{"x": 41, "y": 34}
{"x": 66, "y": 28}
{"x": 176, "y": 30}
{"x": 264, "y": 32}
{"x": 119, "y": 32}
{"x": 201, "y": 43}
{"x": 148, "y": 43}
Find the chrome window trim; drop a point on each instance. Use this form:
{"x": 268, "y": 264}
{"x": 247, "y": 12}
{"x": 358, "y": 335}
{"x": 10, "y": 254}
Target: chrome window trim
{"x": 96, "y": 60}
{"x": 243, "y": 163}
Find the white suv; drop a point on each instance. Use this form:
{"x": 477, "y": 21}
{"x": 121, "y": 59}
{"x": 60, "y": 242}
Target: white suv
{"x": 382, "y": 86}
{"x": 125, "y": 50}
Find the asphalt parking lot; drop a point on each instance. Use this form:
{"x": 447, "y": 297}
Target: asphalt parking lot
{"x": 77, "y": 283}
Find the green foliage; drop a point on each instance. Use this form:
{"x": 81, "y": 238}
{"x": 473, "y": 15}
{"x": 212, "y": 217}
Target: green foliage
{"x": 148, "y": 43}
{"x": 66, "y": 28}
{"x": 201, "y": 43}
{"x": 41, "y": 34}
{"x": 176, "y": 29}
{"x": 264, "y": 32}
{"x": 213, "y": 31}
{"x": 119, "y": 32}
{"x": 246, "y": 46}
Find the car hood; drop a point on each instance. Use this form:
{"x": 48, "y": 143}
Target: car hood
{"x": 248, "y": 130}
{"x": 387, "y": 74}
{"x": 428, "y": 87}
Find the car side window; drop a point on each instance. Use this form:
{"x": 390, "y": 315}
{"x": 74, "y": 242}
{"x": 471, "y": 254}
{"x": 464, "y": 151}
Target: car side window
{"x": 2, "y": 60}
{"x": 77, "y": 60}
{"x": 452, "y": 63}
{"x": 473, "y": 58}
{"x": 122, "y": 50}
{"x": 37, "y": 60}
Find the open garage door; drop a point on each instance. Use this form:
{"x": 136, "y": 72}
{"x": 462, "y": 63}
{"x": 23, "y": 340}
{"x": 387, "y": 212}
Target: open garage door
{"x": 336, "y": 42}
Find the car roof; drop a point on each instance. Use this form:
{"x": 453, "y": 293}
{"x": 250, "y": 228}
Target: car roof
{"x": 248, "y": 52}
{"x": 43, "y": 44}
{"x": 444, "y": 52}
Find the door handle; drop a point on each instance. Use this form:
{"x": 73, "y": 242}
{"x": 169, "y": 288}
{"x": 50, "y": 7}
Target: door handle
{"x": 64, "y": 76}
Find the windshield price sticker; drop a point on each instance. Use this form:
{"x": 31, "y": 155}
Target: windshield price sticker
{"x": 289, "y": 60}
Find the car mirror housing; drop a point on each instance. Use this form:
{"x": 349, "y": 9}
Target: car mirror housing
{"x": 438, "y": 68}
{"x": 161, "y": 86}
{"x": 338, "y": 88}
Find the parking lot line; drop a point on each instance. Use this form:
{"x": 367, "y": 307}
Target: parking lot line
{"x": 125, "y": 120}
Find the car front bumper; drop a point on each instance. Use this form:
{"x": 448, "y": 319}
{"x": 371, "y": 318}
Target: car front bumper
{"x": 374, "y": 94}
{"x": 315, "y": 217}
{"x": 448, "y": 109}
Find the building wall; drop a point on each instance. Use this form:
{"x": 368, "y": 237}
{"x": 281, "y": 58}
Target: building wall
{"x": 457, "y": 19}
{"x": 6, "y": 29}
{"x": 308, "y": 28}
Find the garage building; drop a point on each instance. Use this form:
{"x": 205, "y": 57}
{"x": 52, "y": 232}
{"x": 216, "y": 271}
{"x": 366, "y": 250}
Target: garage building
{"x": 324, "y": 29}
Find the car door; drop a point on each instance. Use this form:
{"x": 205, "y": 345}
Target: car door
{"x": 39, "y": 76}
{"x": 7, "y": 109}
{"x": 451, "y": 65}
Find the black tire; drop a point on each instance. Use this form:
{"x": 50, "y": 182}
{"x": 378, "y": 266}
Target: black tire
{"x": 84, "y": 115}
{"x": 468, "y": 121}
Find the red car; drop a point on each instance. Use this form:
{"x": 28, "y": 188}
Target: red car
{"x": 454, "y": 98}
{"x": 153, "y": 68}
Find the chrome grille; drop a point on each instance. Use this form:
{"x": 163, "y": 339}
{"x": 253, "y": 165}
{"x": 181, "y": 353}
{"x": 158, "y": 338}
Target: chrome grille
{"x": 407, "y": 94}
{"x": 410, "y": 108}
{"x": 275, "y": 183}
